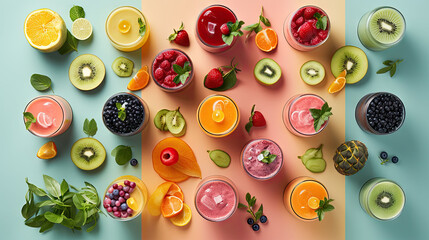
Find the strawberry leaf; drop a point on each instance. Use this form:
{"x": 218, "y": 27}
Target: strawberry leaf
{"x": 229, "y": 78}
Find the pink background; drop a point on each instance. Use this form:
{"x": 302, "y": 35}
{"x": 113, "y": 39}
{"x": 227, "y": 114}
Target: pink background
{"x": 163, "y": 16}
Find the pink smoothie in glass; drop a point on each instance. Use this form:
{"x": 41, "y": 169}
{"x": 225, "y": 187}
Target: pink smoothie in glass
{"x": 216, "y": 200}
{"x": 53, "y": 115}
{"x": 252, "y": 156}
{"x": 297, "y": 116}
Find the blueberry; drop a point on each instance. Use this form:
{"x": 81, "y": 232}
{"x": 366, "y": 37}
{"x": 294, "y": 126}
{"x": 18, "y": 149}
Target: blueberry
{"x": 250, "y": 221}
{"x": 263, "y": 219}
{"x": 115, "y": 192}
{"x": 134, "y": 162}
{"x": 124, "y": 206}
{"x": 255, "y": 227}
{"x": 384, "y": 155}
{"x": 395, "y": 159}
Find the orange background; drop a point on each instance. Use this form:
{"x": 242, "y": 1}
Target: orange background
{"x": 163, "y": 16}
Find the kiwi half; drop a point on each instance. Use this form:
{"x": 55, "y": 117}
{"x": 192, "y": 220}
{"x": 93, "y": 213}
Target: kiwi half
{"x": 88, "y": 153}
{"x": 123, "y": 67}
{"x": 352, "y": 59}
{"x": 267, "y": 71}
{"x": 386, "y": 200}
{"x": 87, "y": 72}
{"x": 312, "y": 72}
{"x": 160, "y": 120}
{"x": 176, "y": 123}
{"x": 387, "y": 25}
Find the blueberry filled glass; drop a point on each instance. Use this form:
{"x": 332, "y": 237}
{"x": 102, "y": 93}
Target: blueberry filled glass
{"x": 125, "y": 114}
{"x": 380, "y": 113}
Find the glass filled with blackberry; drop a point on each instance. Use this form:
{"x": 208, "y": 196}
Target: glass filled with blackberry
{"x": 380, "y": 113}
{"x": 125, "y": 114}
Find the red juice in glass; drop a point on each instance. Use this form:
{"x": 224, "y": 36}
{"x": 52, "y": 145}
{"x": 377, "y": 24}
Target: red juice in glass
{"x": 208, "y": 28}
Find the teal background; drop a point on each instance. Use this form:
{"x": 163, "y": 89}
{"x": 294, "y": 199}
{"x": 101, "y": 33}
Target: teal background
{"x": 410, "y": 142}
{"x": 19, "y": 61}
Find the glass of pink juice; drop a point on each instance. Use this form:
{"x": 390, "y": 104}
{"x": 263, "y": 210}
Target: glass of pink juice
{"x": 53, "y": 115}
{"x": 297, "y": 117}
{"x": 208, "y": 28}
{"x": 300, "y": 31}
{"x": 216, "y": 198}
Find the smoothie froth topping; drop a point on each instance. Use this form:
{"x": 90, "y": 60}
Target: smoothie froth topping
{"x": 44, "y": 120}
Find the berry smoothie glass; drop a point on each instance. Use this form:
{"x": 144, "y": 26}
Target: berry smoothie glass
{"x": 299, "y": 195}
{"x": 208, "y": 26}
{"x": 163, "y": 73}
{"x": 53, "y": 115}
{"x": 136, "y": 114}
{"x": 297, "y": 117}
{"x": 300, "y": 28}
{"x": 216, "y": 198}
{"x": 380, "y": 113}
{"x": 252, "y": 157}
{"x": 125, "y": 198}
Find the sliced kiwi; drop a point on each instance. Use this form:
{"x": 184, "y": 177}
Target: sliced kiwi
{"x": 312, "y": 72}
{"x": 220, "y": 158}
{"x": 160, "y": 120}
{"x": 123, "y": 67}
{"x": 386, "y": 200}
{"x": 267, "y": 71}
{"x": 387, "y": 25}
{"x": 88, "y": 153}
{"x": 176, "y": 122}
{"x": 353, "y": 60}
{"x": 87, "y": 72}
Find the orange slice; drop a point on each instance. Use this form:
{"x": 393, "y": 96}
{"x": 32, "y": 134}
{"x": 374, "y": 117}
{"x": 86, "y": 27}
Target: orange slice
{"x": 184, "y": 217}
{"x": 45, "y": 30}
{"x": 171, "y": 206}
{"x": 266, "y": 40}
{"x": 337, "y": 85}
{"x": 313, "y": 202}
{"x": 47, "y": 151}
{"x": 140, "y": 80}
{"x": 175, "y": 190}
{"x": 156, "y": 199}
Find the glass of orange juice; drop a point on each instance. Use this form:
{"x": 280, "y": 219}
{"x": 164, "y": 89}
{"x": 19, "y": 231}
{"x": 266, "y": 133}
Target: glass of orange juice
{"x": 125, "y": 198}
{"x": 218, "y": 115}
{"x": 127, "y": 28}
{"x": 302, "y": 196}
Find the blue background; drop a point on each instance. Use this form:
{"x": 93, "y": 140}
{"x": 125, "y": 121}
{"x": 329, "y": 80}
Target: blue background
{"x": 410, "y": 142}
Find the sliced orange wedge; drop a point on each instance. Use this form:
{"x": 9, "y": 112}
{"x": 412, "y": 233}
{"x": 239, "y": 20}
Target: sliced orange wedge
{"x": 47, "y": 151}
{"x": 266, "y": 40}
{"x": 337, "y": 85}
{"x": 175, "y": 190}
{"x": 343, "y": 73}
{"x": 171, "y": 206}
{"x": 140, "y": 80}
{"x": 184, "y": 217}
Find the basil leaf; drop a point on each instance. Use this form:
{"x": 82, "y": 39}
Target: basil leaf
{"x": 35, "y": 222}
{"x": 40, "y": 82}
{"x": 76, "y": 12}
{"x": 78, "y": 219}
{"x": 90, "y": 127}
{"x": 64, "y": 187}
{"x": 38, "y": 191}
{"x": 123, "y": 155}
{"x": 67, "y": 222}
{"x": 70, "y": 44}
{"x": 53, "y": 218}
{"x": 92, "y": 226}
{"x": 46, "y": 226}
{"x": 78, "y": 201}
{"x": 45, "y": 203}
{"x": 52, "y": 186}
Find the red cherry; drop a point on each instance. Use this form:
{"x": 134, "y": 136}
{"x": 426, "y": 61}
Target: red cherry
{"x": 169, "y": 156}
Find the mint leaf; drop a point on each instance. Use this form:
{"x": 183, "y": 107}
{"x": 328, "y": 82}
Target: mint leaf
{"x": 320, "y": 116}
{"x": 248, "y": 197}
{"x": 121, "y": 111}
{"x": 70, "y": 45}
{"x": 263, "y": 19}
{"x": 260, "y": 211}
{"x": 391, "y": 66}
{"x": 142, "y": 29}
{"x": 40, "y": 82}
{"x": 90, "y": 127}
{"x": 122, "y": 154}
{"x": 234, "y": 31}
{"x": 322, "y": 21}
{"x": 76, "y": 12}
{"x": 30, "y": 119}
{"x": 268, "y": 157}
{"x": 240, "y": 205}
{"x": 251, "y": 27}
{"x": 324, "y": 206}
{"x": 182, "y": 73}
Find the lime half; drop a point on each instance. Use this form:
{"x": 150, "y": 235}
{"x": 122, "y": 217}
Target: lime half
{"x": 82, "y": 29}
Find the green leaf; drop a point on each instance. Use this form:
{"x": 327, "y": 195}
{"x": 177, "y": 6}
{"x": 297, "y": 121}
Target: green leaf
{"x": 227, "y": 39}
{"x": 393, "y": 70}
{"x": 248, "y": 198}
{"x": 79, "y": 219}
{"x": 248, "y": 126}
{"x": 324, "y": 206}
{"x": 64, "y": 187}
{"x": 46, "y": 226}
{"x": 260, "y": 211}
{"x": 68, "y": 222}
{"x": 229, "y": 81}
{"x": 52, "y": 186}
{"x": 45, "y": 203}
{"x": 123, "y": 156}
{"x": 70, "y": 44}
{"x": 177, "y": 69}
{"x": 320, "y": 116}
{"x": 40, "y": 82}
{"x": 182, "y": 73}
{"x": 258, "y": 29}
{"x": 121, "y": 111}
{"x": 142, "y": 29}
{"x": 252, "y": 202}
{"x": 240, "y": 205}
{"x": 251, "y": 27}
{"x": 53, "y": 218}
{"x": 90, "y": 127}
{"x": 384, "y": 70}
{"x": 78, "y": 201}
{"x": 76, "y": 12}
{"x": 34, "y": 189}
{"x": 30, "y": 119}
{"x": 36, "y": 222}
{"x": 92, "y": 227}
{"x": 388, "y": 62}
{"x": 322, "y": 21}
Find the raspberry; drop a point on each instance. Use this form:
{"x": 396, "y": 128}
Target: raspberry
{"x": 323, "y": 34}
{"x": 309, "y": 12}
{"x": 299, "y": 21}
{"x": 170, "y": 55}
{"x": 160, "y": 57}
{"x": 316, "y": 40}
{"x": 168, "y": 81}
{"x": 159, "y": 74}
{"x": 292, "y": 25}
{"x": 181, "y": 60}
{"x": 165, "y": 65}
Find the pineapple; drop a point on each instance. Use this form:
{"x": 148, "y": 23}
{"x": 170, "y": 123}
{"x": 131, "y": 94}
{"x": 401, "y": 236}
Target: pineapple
{"x": 350, "y": 157}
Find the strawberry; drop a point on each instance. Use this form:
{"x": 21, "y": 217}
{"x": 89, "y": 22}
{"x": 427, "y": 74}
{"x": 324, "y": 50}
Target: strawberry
{"x": 224, "y": 29}
{"x": 305, "y": 32}
{"x": 256, "y": 119}
{"x": 309, "y": 12}
{"x": 180, "y": 36}
{"x": 213, "y": 79}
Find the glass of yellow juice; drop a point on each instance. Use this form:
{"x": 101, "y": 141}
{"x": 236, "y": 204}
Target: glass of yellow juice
{"x": 127, "y": 28}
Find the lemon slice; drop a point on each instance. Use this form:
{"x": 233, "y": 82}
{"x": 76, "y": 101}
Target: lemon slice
{"x": 82, "y": 29}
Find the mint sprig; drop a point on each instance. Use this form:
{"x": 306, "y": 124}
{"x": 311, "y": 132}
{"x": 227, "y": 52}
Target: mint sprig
{"x": 142, "y": 27}
{"x": 30, "y": 119}
{"x": 122, "y": 113}
{"x": 320, "y": 116}
{"x": 76, "y": 12}
{"x": 249, "y": 207}
{"x": 41, "y": 82}
{"x": 122, "y": 154}
{"x": 234, "y": 29}
{"x": 322, "y": 21}
{"x": 268, "y": 157}
{"x": 90, "y": 127}
{"x": 257, "y": 26}
{"x": 391, "y": 66}
{"x": 324, "y": 206}
{"x": 182, "y": 73}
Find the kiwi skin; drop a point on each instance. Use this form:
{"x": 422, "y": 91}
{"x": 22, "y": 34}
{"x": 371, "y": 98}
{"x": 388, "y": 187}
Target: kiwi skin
{"x": 79, "y": 145}
{"x": 321, "y": 72}
{"x": 263, "y": 61}
{"x": 118, "y": 62}
{"x": 158, "y": 120}
{"x": 364, "y": 62}
{"x": 87, "y": 84}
